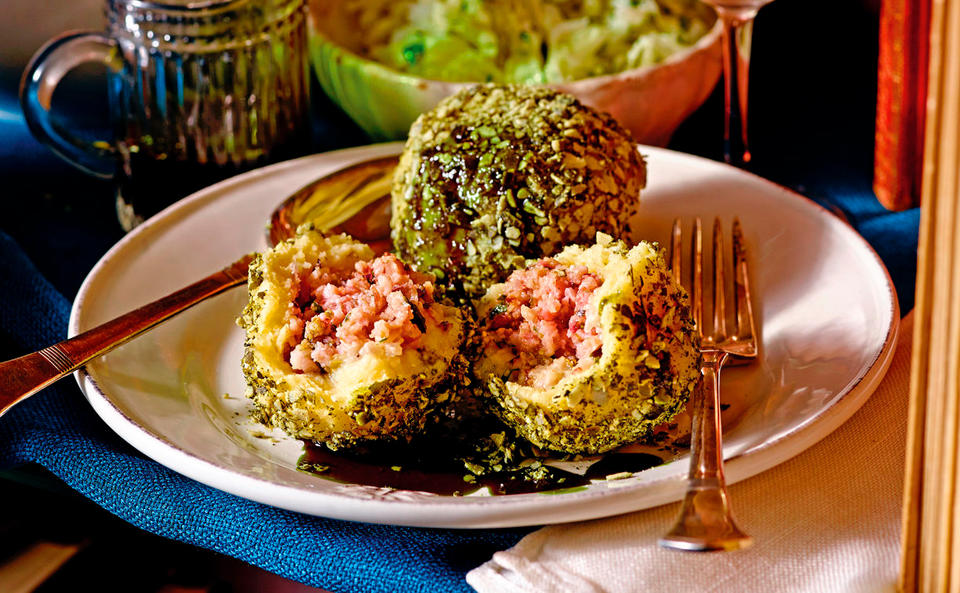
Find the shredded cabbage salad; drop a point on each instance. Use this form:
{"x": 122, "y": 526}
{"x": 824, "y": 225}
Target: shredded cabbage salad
{"x": 526, "y": 41}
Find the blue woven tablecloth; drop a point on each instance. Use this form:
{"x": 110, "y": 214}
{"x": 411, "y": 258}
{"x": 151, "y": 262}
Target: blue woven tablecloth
{"x": 812, "y": 130}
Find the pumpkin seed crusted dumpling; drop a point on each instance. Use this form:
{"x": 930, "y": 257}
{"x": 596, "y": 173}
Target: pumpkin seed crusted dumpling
{"x": 589, "y": 350}
{"x": 497, "y": 174}
{"x": 343, "y": 346}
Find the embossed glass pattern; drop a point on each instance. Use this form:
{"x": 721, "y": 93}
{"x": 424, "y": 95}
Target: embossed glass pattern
{"x": 216, "y": 88}
{"x": 198, "y": 91}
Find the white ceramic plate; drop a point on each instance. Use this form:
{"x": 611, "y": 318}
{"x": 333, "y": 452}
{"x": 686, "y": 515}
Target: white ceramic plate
{"x": 827, "y": 309}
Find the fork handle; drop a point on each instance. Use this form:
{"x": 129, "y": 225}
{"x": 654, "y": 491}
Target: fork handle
{"x": 22, "y": 377}
{"x": 706, "y": 522}
{"x": 706, "y": 439}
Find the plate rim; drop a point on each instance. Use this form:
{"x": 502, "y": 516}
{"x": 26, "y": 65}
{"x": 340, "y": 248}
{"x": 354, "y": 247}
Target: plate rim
{"x": 473, "y": 512}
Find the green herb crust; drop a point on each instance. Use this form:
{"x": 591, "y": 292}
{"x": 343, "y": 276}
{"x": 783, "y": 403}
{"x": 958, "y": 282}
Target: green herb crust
{"x": 371, "y": 398}
{"x": 648, "y": 366}
{"x": 497, "y": 174}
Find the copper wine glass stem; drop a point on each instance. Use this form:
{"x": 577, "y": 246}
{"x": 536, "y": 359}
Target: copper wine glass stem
{"x": 737, "y": 36}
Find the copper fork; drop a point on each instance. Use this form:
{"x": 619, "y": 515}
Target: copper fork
{"x": 706, "y": 522}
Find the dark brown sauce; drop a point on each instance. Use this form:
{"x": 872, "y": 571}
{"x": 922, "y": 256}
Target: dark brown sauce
{"x": 616, "y": 463}
{"x": 425, "y": 472}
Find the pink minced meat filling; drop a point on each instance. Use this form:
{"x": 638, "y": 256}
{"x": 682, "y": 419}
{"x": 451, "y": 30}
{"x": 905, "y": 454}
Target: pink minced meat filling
{"x": 380, "y": 307}
{"x": 544, "y": 316}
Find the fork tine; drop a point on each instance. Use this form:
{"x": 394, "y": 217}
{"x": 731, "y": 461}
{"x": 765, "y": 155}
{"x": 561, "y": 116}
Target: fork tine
{"x": 676, "y": 248}
{"x": 696, "y": 286}
{"x": 719, "y": 306}
{"x": 741, "y": 283}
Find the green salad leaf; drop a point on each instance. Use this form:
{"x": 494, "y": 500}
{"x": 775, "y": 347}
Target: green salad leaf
{"x": 530, "y": 41}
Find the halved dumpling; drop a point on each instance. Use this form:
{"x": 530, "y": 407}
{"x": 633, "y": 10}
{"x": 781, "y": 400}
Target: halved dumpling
{"x": 344, "y": 346}
{"x": 588, "y": 350}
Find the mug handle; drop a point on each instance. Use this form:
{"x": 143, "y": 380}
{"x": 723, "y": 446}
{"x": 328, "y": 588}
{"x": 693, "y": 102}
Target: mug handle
{"x": 41, "y": 77}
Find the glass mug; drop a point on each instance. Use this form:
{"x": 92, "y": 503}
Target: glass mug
{"x": 198, "y": 89}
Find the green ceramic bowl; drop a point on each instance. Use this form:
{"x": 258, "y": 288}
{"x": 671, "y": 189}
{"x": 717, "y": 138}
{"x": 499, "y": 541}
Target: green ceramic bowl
{"x": 651, "y": 101}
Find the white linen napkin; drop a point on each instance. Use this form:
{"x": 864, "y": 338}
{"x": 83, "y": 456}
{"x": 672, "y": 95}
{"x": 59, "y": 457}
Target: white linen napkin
{"x": 827, "y": 520}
